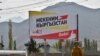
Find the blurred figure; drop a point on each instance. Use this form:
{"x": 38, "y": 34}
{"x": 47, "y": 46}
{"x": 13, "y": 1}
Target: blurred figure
{"x": 1, "y": 46}
{"x": 76, "y": 50}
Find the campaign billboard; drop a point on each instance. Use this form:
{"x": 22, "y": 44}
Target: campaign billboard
{"x": 52, "y": 25}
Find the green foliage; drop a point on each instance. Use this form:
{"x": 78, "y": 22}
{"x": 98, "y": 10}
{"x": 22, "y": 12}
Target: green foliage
{"x": 80, "y": 43}
{"x": 85, "y": 43}
{"x": 94, "y": 44}
{"x": 90, "y": 45}
{"x": 10, "y": 35}
{"x": 69, "y": 44}
{"x": 14, "y": 44}
{"x": 88, "y": 42}
{"x": 32, "y": 46}
{"x": 57, "y": 45}
{"x": 2, "y": 41}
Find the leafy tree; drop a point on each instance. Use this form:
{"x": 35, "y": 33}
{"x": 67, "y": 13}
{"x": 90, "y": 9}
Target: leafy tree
{"x": 94, "y": 44}
{"x": 85, "y": 43}
{"x": 1, "y": 44}
{"x": 14, "y": 44}
{"x": 10, "y": 35}
{"x": 68, "y": 44}
{"x": 58, "y": 45}
{"x": 32, "y": 46}
{"x": 2, "y": 41}
{"x": 88, "y": 42}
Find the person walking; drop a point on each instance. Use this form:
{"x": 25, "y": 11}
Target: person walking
{"x": 76, "y": 50}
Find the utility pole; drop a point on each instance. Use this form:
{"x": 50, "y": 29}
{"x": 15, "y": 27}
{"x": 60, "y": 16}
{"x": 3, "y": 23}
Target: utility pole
{"x": 77, "y": 20}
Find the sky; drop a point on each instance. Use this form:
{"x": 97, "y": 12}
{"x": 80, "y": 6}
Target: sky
{"x": 17, "y": 10}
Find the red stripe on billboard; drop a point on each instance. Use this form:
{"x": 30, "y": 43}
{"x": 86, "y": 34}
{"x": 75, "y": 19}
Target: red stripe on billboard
{"x": 58, "y": 35}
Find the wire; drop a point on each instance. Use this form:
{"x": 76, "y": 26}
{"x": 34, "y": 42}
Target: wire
{"x": 28, "y": 5}
{"x": 21, "y": 11}
{"x": 33, "y": 7}
{"x": 18, "y": 1}
{"x": 84, "y": 1}
{"x": 24, "y": 5}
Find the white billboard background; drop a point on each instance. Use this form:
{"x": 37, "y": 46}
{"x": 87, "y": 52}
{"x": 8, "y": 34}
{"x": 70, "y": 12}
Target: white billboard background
{"x": 71, "y": 22}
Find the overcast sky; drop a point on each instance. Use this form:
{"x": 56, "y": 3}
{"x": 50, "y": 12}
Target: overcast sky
{"x": 17, "y": 10}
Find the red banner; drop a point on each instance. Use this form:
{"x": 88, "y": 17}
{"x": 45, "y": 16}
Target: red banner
{"x": 58, "y": 35}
